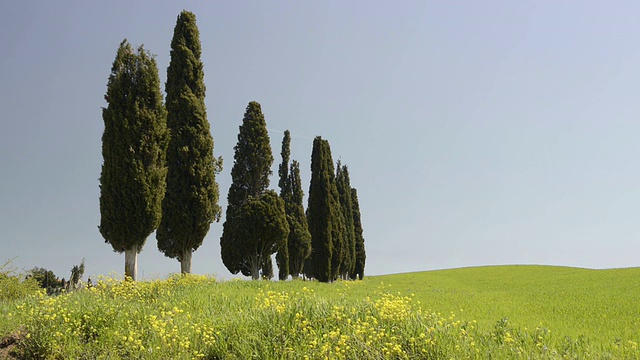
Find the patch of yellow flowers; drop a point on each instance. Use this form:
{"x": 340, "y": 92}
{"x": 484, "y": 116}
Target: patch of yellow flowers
{"x": 193, "y": 317}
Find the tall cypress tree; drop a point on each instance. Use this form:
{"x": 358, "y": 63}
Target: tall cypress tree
{"x": 191, "y": 201}
{"x": 132, "y": 181}
{"x": 299, "y": 242}
{"x": 324, "y": 216}
{"x": 282, "y": 257}
{"x": 361, "y": 255}
{"x": 283, "y": 169}
{"x": 343, "y": 184}
{"x": 249, "y": 178}
{"x": 338, "y": 231}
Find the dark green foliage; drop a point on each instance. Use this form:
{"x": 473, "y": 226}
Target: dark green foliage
{"x": 191, "y": 201}
{"x": 249, "y": 178}
{"x": 46, "y": 278}
{"x": 282, "y": 257}
{"x": 299, "y": 242}
{"x": 260, "y": 228}
{"x": 283, "y": 169}
{"x": 324, "y": 216}
{"x": 337, "y": 234}
{"x": 267, "y": 268}
{"x": 252, "y": 159}
{"x": 343, "y": 184}
{"x": 132, "y": 181}
{"x": 361, "y": 256}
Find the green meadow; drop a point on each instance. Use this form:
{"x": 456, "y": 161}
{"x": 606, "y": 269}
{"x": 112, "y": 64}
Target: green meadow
{"x": 498, "y": 312}
{"x": 600, "y": 305}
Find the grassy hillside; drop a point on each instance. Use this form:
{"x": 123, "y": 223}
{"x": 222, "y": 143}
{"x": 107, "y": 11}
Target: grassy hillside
{"x": 504, "y": 312}
{"x": 601, "y": 305}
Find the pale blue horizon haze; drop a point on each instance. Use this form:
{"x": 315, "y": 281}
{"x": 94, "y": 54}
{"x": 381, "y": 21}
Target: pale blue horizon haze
{"x": 476, "y": 133}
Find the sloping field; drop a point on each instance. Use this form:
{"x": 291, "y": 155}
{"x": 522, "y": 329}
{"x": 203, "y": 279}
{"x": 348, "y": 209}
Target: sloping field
{"x": 601, "y": 305}
{"x": 500, "y": 312}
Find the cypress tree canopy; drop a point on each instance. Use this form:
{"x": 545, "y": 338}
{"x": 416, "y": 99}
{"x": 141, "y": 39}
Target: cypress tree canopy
{"x": 132, "y": 181}
{"x": 252, "y": 159}
{"x": 299, "y": 241}
{"x": 261, "y": 229}
{"x": 191, "y": 201}
{"x": 132, "y": 178}
{"x": 249, "y": 178}
{"x": 324, "y": 216}
{"x": 361, "y": 255}
{"x": 283, "y": 170}
{"x": 343, "y": 184}
{"x": 282, "y": 257}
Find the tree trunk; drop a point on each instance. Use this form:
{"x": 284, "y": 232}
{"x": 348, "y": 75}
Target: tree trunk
{"x": 185, "y": 262}
{"x": 255, "y": 269}
{"x": 131, "y": 263}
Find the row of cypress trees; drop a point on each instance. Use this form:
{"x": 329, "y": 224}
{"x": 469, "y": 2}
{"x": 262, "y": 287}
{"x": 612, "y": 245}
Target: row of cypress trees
{"x": 159, "y": 174}
{"x": 158, "y": 170}
{"x": 324, "y": 243}
{"x": 334, "y": 220}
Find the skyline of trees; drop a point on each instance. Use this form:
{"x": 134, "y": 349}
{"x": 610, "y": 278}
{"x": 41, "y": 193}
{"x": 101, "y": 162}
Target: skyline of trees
{"x": 159, "y": 174}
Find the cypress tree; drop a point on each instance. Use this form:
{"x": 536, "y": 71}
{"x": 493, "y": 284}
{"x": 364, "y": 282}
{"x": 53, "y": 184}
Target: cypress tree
{"x": 282, "y": 257}
{"x": 283, "y": 169}
{"x": 343, "y": 184}
{"x": 361, "y": 255}
{"x": 299, "y": 241}
{"x": 191, "y": 201}
{"x": 260, "y": 228}
{"x": 249, "y": 178}
{"x": 338, "y": 232}
{"x": 324, "y": 216}
{"x": 252, "y": 159}
{"x": 132, "y": 181}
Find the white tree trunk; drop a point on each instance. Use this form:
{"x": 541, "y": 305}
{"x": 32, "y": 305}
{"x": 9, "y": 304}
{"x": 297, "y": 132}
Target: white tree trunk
{"x": 131, "y": 263}
{"x": 185, "y": 263}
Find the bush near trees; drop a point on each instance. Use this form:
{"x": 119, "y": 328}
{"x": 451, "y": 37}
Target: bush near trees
{"x": 132, "y": 180}
{"x": 46, "y": 279}
{"x": 190, "y": 203}
{"x": 14, "y": 285}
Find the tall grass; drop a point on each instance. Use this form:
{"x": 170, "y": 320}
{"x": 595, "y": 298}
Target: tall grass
{"x": 15, "y": 285}
{"x": 433, "y": 315}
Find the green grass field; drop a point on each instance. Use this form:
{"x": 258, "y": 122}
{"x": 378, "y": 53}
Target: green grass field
{"x": 500, "y": 312}
{"x": 601, "y": 305}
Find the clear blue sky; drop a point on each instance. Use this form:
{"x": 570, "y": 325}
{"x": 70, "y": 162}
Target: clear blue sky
{"x": 476, "y": 132}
